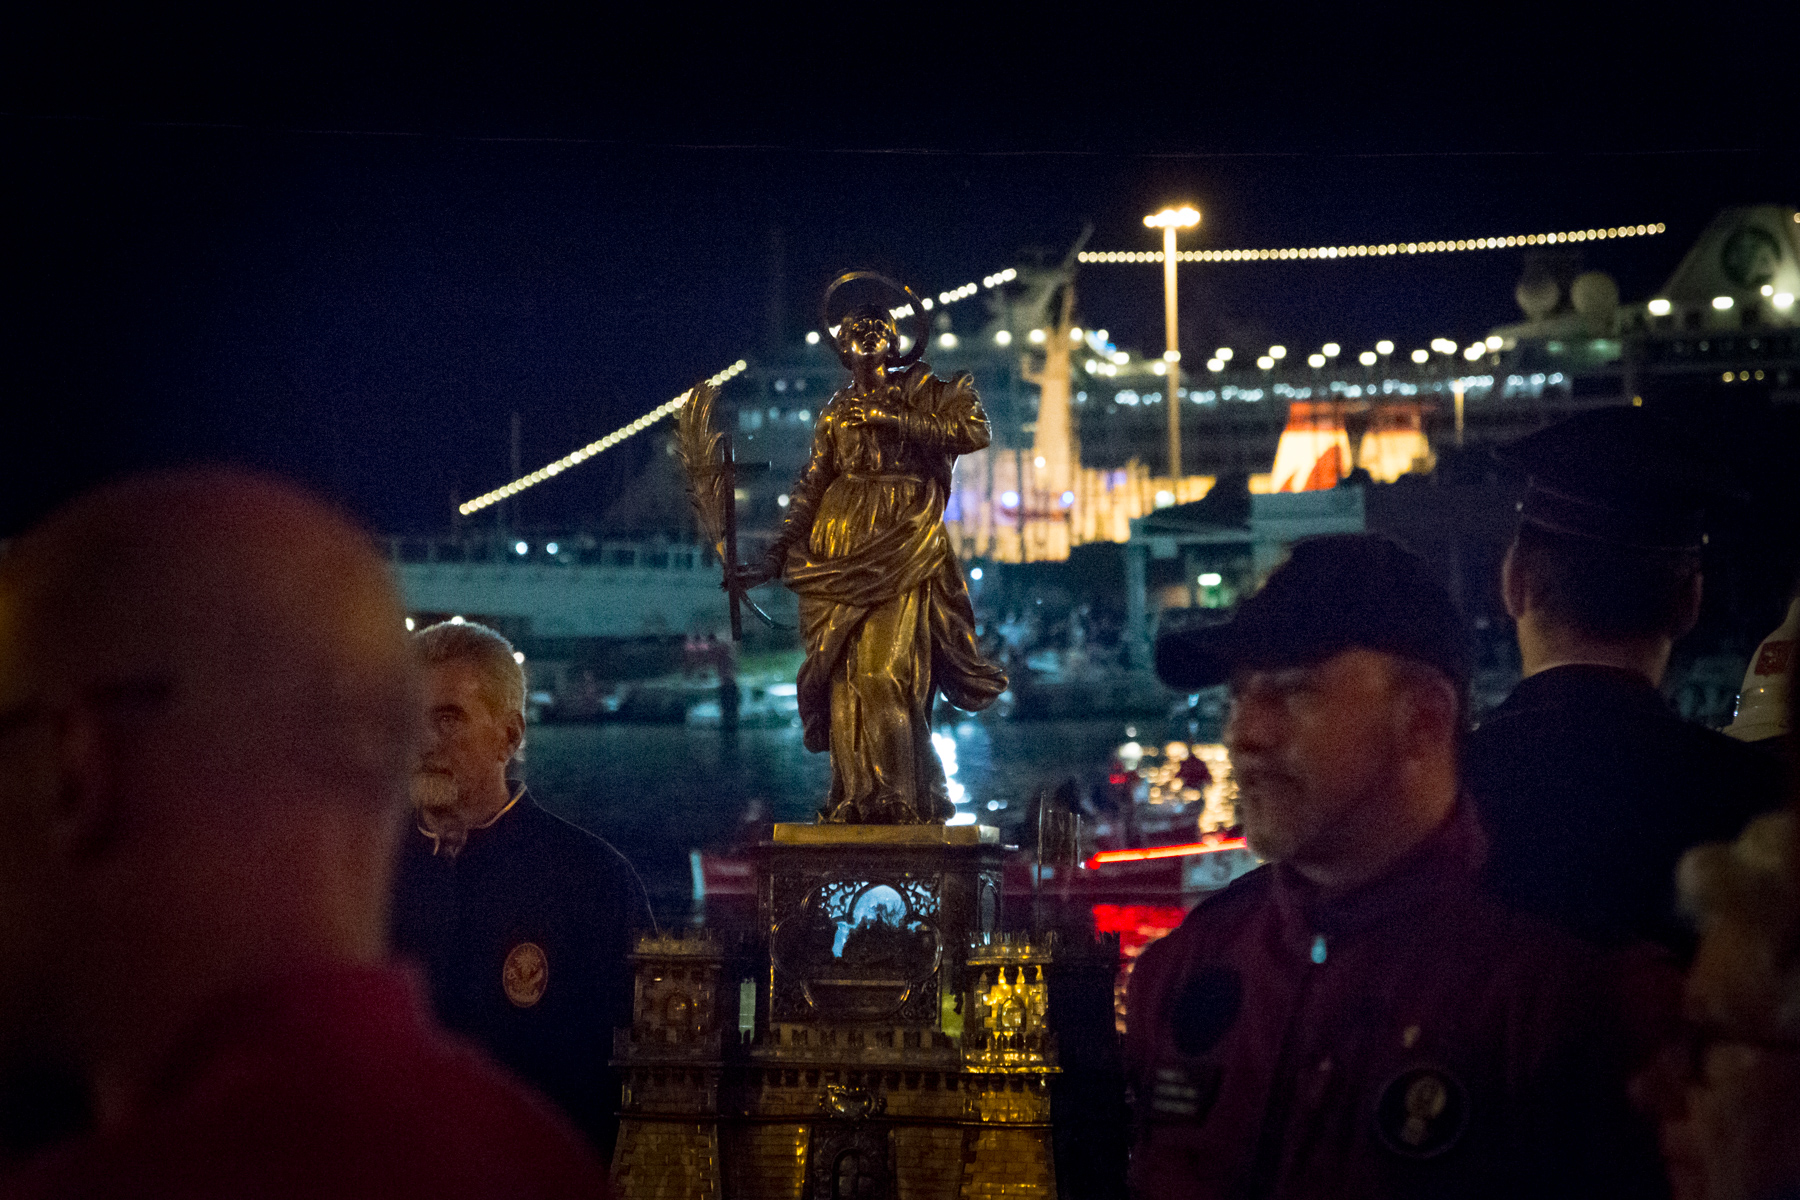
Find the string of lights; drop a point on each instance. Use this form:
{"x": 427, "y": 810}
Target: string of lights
{"x": 1378, "y": 250}
{"x": 944, "y": 299}
{"x": 958, "y": 294}
{"x": 969, "y": 289}
{"x": 551, "y": 470}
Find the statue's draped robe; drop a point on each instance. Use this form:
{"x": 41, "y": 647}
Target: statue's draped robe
{"x": 883, "y": 607}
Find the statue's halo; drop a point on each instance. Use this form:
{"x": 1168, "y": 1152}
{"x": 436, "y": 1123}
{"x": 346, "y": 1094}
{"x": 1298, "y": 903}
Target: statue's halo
{"x": 921, "y": 320}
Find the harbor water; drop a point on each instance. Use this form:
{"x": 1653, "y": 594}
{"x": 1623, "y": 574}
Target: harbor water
{"x": 658, "y": 791}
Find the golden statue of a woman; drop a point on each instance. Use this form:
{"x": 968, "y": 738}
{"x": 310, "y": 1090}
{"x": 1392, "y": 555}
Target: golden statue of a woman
{"x": 884, "y": 610}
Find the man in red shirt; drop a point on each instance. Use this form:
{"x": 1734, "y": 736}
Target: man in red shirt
{"x": 207, "y": 714}
{"x": 1354, "y": 1019}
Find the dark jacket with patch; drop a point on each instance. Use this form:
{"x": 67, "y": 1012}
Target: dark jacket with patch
{"x": 1412, "y": 1038}
{"x": 547, "y": 1014}
{"x": 1590, "y": 789}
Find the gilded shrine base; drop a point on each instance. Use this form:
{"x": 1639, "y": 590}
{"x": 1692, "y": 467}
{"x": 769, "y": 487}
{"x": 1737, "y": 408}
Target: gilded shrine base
{"x": 879, "y": 1038}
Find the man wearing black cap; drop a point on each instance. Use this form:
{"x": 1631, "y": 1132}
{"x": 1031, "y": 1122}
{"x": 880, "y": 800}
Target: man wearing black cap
{"x": 1589, "y": 786}
{"x": 1355, "y": 1018}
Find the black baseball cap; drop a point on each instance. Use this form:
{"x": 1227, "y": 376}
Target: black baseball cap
{"x": 1335, "y": 593}
{"x": 1621, "y": 476}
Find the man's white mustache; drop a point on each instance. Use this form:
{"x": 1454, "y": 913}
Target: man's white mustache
{"x": 433, "y": 789}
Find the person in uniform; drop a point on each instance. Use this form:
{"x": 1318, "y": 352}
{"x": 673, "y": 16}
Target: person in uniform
{"x": 1353, "y": 1018}
{"x": 208, "y": 709}
{"x": 521, "y": 921}
{"x": 1589, "y": 786}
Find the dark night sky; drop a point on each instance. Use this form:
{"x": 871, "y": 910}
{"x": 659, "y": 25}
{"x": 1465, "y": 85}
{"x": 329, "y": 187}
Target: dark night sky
{"x": 347, "y": 249}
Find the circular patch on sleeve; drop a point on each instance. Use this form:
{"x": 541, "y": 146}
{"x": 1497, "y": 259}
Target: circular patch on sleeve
{"x": 525, "y": 974}
{"x": 1422, "y": 1112}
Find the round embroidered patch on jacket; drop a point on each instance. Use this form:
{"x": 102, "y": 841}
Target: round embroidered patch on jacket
{"x": 526, "y": 974}
{"x": 1422, "y": 1113}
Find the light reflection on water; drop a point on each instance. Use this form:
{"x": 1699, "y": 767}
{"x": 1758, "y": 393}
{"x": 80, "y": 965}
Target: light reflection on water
{"x": 655, "y": 791}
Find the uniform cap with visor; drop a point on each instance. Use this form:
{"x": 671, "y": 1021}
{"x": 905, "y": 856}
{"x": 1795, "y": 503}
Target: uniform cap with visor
{"x": 1618, "y": 476}
{"x": 1335, "y": 593}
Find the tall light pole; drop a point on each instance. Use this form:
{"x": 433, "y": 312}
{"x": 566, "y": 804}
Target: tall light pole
{"x": 1169, "y": 220}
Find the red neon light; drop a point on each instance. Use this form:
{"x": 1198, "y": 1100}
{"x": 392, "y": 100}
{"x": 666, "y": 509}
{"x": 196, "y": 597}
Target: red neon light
{"x": 1138, "y": 923}
{"x": 1181, "y": 851}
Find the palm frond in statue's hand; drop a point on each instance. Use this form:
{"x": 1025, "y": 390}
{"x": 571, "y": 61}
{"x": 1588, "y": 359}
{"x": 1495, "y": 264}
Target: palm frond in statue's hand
{"x": 702, "y": 450}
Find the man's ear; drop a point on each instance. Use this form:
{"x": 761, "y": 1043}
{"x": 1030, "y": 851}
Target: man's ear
{"x": 1434, "y": 711}
{"x": 1512, "y": 582}
{"x": 515, "y": 734}
{"x": 1426, "y": 710}
{"x": 84, "y": 806}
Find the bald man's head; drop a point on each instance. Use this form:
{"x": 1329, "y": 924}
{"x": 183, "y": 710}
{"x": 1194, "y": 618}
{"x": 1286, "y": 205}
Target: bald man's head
{"x": 208, "y": 706}
{"x": 251, "y": 623}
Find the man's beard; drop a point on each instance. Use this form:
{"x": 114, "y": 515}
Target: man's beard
{"x": 1275, "y": 810}
{"x": 1294, "y": 814}
{"x": 435, "y": 799}
{"x": 433, "y": 792}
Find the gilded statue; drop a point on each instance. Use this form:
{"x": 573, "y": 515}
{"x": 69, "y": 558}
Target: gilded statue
{"x": 884, "y": 610}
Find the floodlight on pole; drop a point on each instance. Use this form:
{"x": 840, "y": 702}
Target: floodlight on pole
{"x": 1169, "y": 220}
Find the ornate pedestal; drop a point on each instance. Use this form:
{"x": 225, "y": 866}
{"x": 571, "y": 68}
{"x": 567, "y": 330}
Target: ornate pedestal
{"x": 880, "y": 1041}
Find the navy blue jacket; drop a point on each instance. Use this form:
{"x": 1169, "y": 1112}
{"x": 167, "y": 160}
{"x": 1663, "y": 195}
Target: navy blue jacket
{"x": 1590, "y": 789}
{"x": 523, "y": 938}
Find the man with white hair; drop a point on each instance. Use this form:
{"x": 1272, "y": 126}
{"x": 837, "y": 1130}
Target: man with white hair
{"x": 521, "y": 920}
